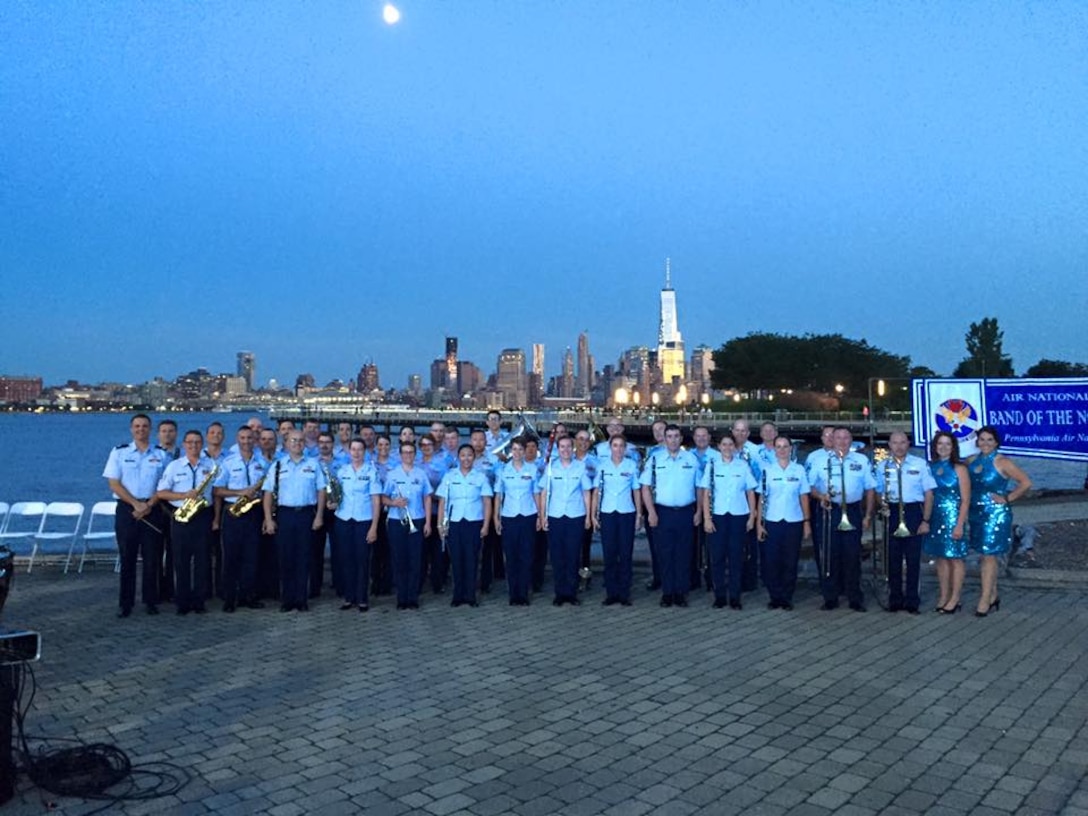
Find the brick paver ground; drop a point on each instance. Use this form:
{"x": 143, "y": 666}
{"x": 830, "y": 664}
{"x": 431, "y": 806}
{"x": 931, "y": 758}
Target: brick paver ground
{"x": 585, "y": 710}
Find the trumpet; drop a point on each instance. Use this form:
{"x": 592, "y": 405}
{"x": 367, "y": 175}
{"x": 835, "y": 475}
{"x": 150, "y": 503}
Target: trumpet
{"x": 406, "y": 518}
{"x": 247, "y": 503}
{"x": 444, "y": 522}
{"x": 190, "y": 507}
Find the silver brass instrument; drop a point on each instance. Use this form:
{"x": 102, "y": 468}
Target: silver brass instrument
{"x": 247, "y": 503}
{"x": 844, "y": 520}
{"x": 190, "y": 507}
{"x": 524, "y": 429}
{"x": 406, "y": 517}
{"x": 763, "y": 506}
{"x": 901, "y": 531}
{"x": 335, "y": 489}
{"x": 444, "y": 522}
{"x": 595, "y": 433}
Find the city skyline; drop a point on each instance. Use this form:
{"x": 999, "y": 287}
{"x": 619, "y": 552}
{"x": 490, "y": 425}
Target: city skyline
{"x": 186, "y": 181}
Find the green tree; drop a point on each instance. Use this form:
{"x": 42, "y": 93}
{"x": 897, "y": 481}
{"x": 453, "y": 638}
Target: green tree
{"x": 1057, "y": 368}
{"x": 985, "y": 357}
{"x": 814, "y": 362}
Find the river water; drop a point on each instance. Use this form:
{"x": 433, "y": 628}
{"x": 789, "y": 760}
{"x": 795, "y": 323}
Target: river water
{"x": 60, "y": 457}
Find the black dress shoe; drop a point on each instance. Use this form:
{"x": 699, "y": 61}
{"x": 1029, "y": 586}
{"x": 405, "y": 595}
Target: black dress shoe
{"x": 788, "y": 607}
{"x": 829, "y": 605}
{"x": 124, "y": 613}
{"x": 666, "y": 600}
{"x": 346, "y": 605}
{"x": 254, "y": 605}
{"x": 609, "y": 602}
{"x": 364, "y": 608}
{"x": 228, "y": 607}
{"x": 735, "y": 604}
{"x": 625, "y": 602}
{"x": 858, "y": 607}
{"x": 286, "y": 607}
{"x": 573, "y": 601}
{"x": 473, "y": 604}
{"x": 773, "y": 604}
{"x": 558, "y": 600}
{"x": 912, "y": 610}
{"x": 720, "y": 603}
{"x": 894, "y": 607}
{"x": 200, "y": 610}
{"x": 680, "y": 600}
{"x": 182, "y": 610}
{"x": 303, "y": 607}
{"x": 152, "y": 609}
{"x": 401, "y": 606}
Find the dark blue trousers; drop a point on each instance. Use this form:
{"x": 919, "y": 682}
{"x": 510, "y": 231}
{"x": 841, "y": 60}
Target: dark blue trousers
{"x": 406, "y": 551}
{"x": 782, "y": 550}
{"x": 191, "y": 560}
{"x": 726, "y": 546}
{"x": 135, "y": 538}
{"x": 518, "y": 533}
{"x": 674, "y": 544}
{"x": 565, "y": 550}
{"x": 294, "y": 534}
{"x": 241, "y": 538}
{"x": 540, "y": 559}
{"x": 909, "y": 549}
{"x": 463, "y": 543}
{"x": 845, "y": 552}
{"x": 355, "y": 554}
{"x": 617, "y": 544}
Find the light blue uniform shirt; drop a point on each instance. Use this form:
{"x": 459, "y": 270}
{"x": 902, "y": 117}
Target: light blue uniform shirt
{"x": 298, "y": 481}
{"x": 817, "y": 460}
{"x": 138, "y": 472}
{"x": 181, "y": 477}
{"x": 672, "y": 477}
{"x": 487, "y": 465}
{"x": 220, "y": 459}
{"x": 435, "y": 469}
{"x": 615, "y": 483}
{"x": 494, "y": 440}
{"x": 782, "y": 488}
{"x": 412, "y": 485}
{"x": 358, "y": 487}
{"x": 917, "y": 479}
{"x": 858, "y": 475}
{"x": 518, "y": 489}
{"x": 732, "y": 481}
{"x": 237, "y": 474}
{"x": 592, "y": 463}
{"x": 464, "y": 495}
{"x": 749, "y": 452}
{"x": 564, "y": 487}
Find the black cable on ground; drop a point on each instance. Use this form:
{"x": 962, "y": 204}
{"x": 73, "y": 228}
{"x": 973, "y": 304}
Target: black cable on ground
{"x": 98, "y": 771}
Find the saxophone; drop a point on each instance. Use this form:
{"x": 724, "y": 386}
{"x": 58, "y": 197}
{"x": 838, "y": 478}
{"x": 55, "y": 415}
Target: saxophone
{"x": 190, "y": 507}
{"x": 247, "y": 503}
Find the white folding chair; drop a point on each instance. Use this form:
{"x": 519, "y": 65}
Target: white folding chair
{"x": 105, "y": 512}
{"x": 23, "y": 522}
{"x": 58, "y": 532}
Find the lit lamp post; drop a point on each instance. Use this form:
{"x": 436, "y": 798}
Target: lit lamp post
{"x": 621, "y": 396}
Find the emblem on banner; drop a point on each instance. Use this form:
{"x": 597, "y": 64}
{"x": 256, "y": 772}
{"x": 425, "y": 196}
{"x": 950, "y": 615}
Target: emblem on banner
{"x": 957, "y": 417}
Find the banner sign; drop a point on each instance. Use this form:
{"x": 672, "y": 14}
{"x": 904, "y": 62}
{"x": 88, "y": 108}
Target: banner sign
{"x": 1044, "y": 417}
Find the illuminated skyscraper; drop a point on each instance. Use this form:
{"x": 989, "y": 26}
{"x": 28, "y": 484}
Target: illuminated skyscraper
{"x": 247, "y": 368}
{"x": 670, "y": 345}
{"x": 583, "y": 376}
{"x": 451, "y": 365}
{"x": 510, "y": 378}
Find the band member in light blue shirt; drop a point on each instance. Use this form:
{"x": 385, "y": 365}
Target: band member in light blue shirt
{"x": 294, "y": 507}
{"x": 240, "y": 478}
{"x": 906, "y": 486}
{"x": 669, "y": 493}
{"x": 617, "y": 513}
{"x": 464, "y": 511}
{"x": 784, "y": 520}
{"x": 727, "y": 489}
{"x": 565, "y": 500}
{"x": 358, "y": 516}
{"x": 407, "y": 496}
{"x": 850, "y": 514}
{"x": 517, "y": 518}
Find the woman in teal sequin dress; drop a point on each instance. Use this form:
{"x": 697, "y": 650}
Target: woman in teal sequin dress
{"x": 946, "y": 541}
{"x": 990, "y": 517}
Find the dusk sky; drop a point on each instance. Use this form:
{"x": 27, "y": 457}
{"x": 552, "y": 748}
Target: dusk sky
{"x": 180, "y": 181}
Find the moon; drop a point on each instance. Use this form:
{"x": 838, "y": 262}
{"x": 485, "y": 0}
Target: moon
{"x": 391, "y": 14}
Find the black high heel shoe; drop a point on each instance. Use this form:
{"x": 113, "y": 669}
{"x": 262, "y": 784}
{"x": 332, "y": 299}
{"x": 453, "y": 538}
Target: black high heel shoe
{"x": 945, "y": 611}
{"x": 996, "y": 605}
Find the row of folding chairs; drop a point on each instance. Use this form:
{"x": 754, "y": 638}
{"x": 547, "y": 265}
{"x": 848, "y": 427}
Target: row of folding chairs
{"x": 34, "y": 529}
